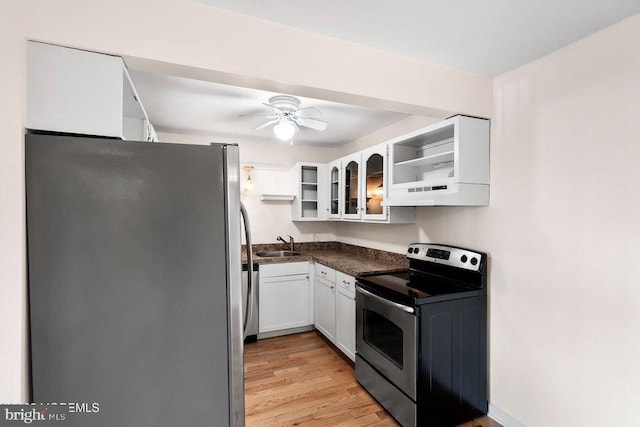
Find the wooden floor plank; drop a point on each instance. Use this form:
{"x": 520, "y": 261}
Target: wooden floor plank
{"x": 300, "y": 380}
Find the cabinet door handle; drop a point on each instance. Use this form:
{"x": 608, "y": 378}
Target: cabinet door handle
{"x": 331, "y": 286}
{"x": 345, "y": 282}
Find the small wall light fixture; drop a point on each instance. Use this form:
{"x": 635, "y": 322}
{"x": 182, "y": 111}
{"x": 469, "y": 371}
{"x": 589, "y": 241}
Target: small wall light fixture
{"x": 247, "y": 187}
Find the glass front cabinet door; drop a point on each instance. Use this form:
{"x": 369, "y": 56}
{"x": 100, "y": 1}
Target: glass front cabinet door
{"x": 358, "y": 187}
{"x": 351, "y": 186}
{"x": 334, "y": 209}
{"x": 374, "y": 163}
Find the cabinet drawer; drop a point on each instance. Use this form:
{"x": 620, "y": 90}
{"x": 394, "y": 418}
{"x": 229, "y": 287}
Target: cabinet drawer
{"x": 346, "y": 282}
{"x": 284, "y": 269}
{"x": 326, "y": 273}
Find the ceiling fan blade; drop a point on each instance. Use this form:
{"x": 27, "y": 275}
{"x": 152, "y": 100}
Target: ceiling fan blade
{"x": 264, "y": 125}
{"x": 312, "y": 123}
{"x": 308, "y": 112}
{"x": 259, "y": 115}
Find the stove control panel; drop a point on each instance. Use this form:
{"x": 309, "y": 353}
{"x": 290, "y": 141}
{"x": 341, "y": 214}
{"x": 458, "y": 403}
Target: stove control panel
{"x": 449, "y": 255}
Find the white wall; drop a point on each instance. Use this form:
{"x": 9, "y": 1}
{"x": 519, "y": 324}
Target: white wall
{"x": 272, "y": 160}
{"x": 562, "y": 232}
{"x": 197, "y": 41}
{"x": 13, "y": 374}
{"x": 396, "y": 129}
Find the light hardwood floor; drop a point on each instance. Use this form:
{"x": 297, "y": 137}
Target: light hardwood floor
{"x": 302, "y": 380}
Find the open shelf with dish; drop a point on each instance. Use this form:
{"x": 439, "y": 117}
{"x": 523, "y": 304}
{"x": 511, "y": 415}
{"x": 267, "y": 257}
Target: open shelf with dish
{"x": 443, "y": 164}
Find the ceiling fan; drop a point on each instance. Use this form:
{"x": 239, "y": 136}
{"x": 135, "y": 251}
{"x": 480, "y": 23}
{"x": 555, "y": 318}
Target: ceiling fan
{"x": 287, "y": 117}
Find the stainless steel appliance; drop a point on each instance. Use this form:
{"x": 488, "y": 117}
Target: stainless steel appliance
{"x": 421, "y": 336}
{"x": 249, "y": 284}
{"x": 135, "y": 280}
{"x": 250, "y": 300}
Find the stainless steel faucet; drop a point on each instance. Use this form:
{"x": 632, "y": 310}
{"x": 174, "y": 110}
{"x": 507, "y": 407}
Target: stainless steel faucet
{"x": 291, "y": 242}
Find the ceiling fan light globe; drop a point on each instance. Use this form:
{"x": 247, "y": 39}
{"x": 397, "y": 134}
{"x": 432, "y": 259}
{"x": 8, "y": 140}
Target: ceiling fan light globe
{"x": 284, "y": 130}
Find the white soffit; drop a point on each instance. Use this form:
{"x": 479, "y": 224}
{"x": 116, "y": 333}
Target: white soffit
{"x": 187, "y": 106}
{"x": 487, "y": 37}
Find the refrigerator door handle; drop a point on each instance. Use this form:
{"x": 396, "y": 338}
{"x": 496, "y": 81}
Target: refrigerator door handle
{"x": 250, "y": 285}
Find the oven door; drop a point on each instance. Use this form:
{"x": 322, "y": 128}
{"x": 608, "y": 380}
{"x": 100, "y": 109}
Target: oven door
{"x": 386, "y": 337}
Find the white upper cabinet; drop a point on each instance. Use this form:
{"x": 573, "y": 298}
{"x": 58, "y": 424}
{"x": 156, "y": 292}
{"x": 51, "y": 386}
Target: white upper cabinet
{"x": 446, "y": 164}
{"x": 310, "y": 187}
{"x": 357, "y": 189}
{"x": 80, "y": 92}
{"x": 334, "y": 208}
{"x": 351, "y": 187}
{"x": 374, "y": 167}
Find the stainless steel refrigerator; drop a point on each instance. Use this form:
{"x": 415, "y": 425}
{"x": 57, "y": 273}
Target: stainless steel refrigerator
{"x": 134, "y": 275}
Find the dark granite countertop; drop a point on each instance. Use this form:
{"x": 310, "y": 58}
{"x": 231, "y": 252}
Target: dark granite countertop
{"x": 349, "y": 259}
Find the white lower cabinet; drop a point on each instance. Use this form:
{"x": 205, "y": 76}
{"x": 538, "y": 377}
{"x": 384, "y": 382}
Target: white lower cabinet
{"x": 335, "y": 308}
{"x": 346, "y": 323}
{"x": 346, "y": 314}
{"x": 325, "y": 308}
{"x": 284, "y": 296}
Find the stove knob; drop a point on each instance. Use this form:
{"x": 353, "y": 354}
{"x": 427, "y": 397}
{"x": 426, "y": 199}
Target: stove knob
{"x": 463, "y": 258}
{"x": 474, "y": 261}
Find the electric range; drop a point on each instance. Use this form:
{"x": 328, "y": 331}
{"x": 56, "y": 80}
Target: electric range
{"x": 421, "y": 336}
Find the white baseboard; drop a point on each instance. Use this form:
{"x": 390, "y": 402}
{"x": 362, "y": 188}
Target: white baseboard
{"x": 503, "y": 418}
{"x": 281, "y": 332}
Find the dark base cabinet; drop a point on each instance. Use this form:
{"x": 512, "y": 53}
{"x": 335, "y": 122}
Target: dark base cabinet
{"x": 452, "y": 368}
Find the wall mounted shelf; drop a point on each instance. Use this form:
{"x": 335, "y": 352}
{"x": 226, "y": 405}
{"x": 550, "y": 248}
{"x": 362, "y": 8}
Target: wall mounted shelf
{"x": 277, "y": 197}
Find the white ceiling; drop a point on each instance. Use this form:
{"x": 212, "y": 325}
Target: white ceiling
{"x": 181, "y": 105}
{"x": 488, "y": 37}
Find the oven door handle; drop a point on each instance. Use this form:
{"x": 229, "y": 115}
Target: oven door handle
{"x": 386, "y": 301}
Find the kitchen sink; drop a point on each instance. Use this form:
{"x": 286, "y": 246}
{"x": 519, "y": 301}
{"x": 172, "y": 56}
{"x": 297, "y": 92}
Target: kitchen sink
{"x": 278, "y": 254}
